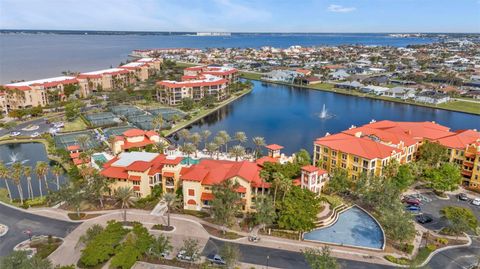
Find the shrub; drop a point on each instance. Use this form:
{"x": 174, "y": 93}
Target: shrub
{"x": 407, "y": 248}
{"x": 102, "y": 246}
{"x": 401, "y": 261}
{"x": 431, "y": 247}
{"x": 136, "y": 244}
{"x": 442, "y": 241}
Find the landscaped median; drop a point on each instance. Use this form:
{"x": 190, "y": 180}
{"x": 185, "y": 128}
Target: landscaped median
{"x": 457, "y": 105}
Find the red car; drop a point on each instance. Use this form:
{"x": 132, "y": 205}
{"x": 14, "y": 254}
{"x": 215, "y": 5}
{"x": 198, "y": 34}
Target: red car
{"x": 411, "y": 201}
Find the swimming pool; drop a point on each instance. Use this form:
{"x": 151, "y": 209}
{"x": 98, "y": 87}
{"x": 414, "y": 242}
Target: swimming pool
{"x": 189, "y": 160}
{"x": 99, "y": 158}
{"x": 354, "y": 227}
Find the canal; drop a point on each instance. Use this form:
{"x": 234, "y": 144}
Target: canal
{"x": 290, "y": 116}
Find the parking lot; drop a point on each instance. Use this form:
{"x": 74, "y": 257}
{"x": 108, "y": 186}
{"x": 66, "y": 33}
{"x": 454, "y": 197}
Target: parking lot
{"x": 432, "y": 206}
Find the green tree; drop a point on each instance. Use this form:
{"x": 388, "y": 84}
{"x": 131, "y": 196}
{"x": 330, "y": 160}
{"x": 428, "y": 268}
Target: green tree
{"x": 16, "y": 172}
{"x": 124, "y": 196}
{"x": 460, "y": 219}
{"x": 57, "y": 171}
{"x": 97, "y": 186}
{"x": 278, "y": 178}
{"x": 27, "y": 173}
{"x": 433, "y": 154}
{"x": 191, "y": 248}
{"x": 188, "y": 149}
{"x": 225, "y": 204}
{"x": 20, "y": 260}
{"x": 212, "y": 148}
{"x": 259, "y": 143}
{"x": 241, "y": 137}
{"x": 41, "y": 169}
{"x": 72, "y": 109}
{"x": 205, "y": 135}
{"x": 170, "y": 199}
{"x": 230, "y": 254}
{"x": 397, "y": 223}
{"x": 225, "y": 137}
{"x": 158, "y": 122}
{"x": 339, "y": 182}
{"x": 133, "y": 248}
{"x": 83, "y": 140}
{"x": 4, "y": 173}
{"x": 265, "y": 211}
{"x": 237, "y": 151}
{"x": 184, "y": 134}
{"x": 444, "y": 178}
{"x": 404, "y": 177}
{"x": 320, "y": 259}
{"x": 187, "y": 104}
{"x": 303, "y": 157}
{"x": 160, "y": 246}
{"x": 299, "y": 210}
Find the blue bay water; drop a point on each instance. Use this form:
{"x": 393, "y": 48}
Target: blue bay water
{"x": 35, "y": 56}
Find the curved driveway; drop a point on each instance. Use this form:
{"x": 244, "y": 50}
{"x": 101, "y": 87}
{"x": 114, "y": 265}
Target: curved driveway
{"x": 18, "y": 221}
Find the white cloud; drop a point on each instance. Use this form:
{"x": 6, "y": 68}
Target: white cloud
{"x": 340, "y": 9}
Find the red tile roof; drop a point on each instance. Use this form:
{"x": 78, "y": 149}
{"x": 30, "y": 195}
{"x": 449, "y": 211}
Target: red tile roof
{"x": 135, "y": 178}
{"x": 266, "y": 159}
{"x": 73, "y": 147}
{"x": 460, "y": 139}
{"x": 363, "y": 147}
{"x": 139, "y": 166}
{"x": 168, "y": 174}
{"x": 274, "y": 147}
{"x": 140, "y": 144}
{"x": 133, "y": 132}
{"x": 310, "y": 168}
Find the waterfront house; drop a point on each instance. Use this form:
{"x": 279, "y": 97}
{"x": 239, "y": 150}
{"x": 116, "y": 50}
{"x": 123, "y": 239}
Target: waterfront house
{"x": 142, "y": 171}
{"x": 431, "y": 97}
{"x": 400, "y": 92}
{"x": 313, "y": 178}
{"x": 349, "y": 85}
{"x": 134, "y": 139}
{"x": 199, "y": 180}
{"x": 36, "y": 92}
{"x": 228, "y": 73}
{"x": 377, "y": 90}
{"x": 286, "y": 76}
{"x": 339, "y": 74}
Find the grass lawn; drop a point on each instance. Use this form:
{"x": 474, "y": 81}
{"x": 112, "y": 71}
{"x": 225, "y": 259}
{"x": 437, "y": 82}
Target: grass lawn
{"x": 462, "y": 106}
{"x": 4, "y": 196}
{"x": 77, "y": 125}
{"x": 322, "y": 86}
{"x": 249, "y": 75}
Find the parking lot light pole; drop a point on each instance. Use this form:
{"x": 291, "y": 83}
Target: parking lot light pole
{"x": 268, "y": 257}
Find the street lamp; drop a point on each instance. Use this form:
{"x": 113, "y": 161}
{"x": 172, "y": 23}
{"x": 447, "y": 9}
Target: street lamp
{"x": 268, "y": 257}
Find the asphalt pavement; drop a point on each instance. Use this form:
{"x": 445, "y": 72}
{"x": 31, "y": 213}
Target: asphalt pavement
{"x": 19, "y": 221}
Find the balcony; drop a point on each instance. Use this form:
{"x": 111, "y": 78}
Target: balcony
{"x": 169, "y": 184}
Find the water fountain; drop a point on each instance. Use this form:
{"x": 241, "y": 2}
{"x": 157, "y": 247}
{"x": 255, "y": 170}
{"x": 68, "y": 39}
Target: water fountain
{"x": 324, "y": 113}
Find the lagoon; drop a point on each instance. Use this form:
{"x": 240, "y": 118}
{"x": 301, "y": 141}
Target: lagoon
{"x": 290, "y": 116}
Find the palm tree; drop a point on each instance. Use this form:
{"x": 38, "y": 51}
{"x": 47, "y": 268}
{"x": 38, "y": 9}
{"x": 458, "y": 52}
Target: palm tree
{"x": 211, "y": 148}
{"x": 16, "y": 172}
{"x": 57, "y": 171}
{"x": 285, "y": 186}
{"x": 259, "y": 143}
{"x": 241, "y": 137}
{"x": 226, "y": 138}
{"x": 41, "y": 169}
{"x": 158, "y": 122}
{"x": 184, "y": 134}
{"x": 124, "y": 196}
{"x": 27, "y": 172}
{"x": 196, "y": 138}
{"x": 83, "y": 141}
{"x": 169, "y": 198}
{"x": 205, "y": 135}
{"x": 237, "y": 151}
{"x": 278, "y": 178}
{"x": 4, "y": 174}
{"x": 175, "y": 118}
{"x": 160, "y": 246}
{"x": 188, "y": 149}
{"x": 219, "y": 142}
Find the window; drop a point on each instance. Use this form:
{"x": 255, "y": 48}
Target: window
{"x": 344, "y": 166}
{"x": 344, "y": 156}
{"x": 334, "y": 162}
{"x": 355, "y": 168}
{"x": 325, "y": 150}
{"x": 191, "y": 192}
{"x": 334, "y": 153}
{"x": 325, "y": 158}
{"x": 355, "y": 159}
{"x": 365, "y": 163}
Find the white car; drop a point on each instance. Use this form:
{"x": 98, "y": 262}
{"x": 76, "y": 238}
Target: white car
{"x": 58, "y": 124}
{"x": 15, "y": 134}
{"x": 36, "y": 134}
{"x": 476, "y": 201}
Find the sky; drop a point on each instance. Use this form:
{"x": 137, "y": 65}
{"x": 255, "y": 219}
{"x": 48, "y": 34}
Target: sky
{"x": 244, "y": 15}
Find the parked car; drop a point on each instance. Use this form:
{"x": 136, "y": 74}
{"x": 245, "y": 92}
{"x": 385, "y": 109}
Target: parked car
{"x": 36, "y": 134}
{"x": 216, "y": 259}
{"x": 413, "y": 208}
{"x": 253, "y": 238}
{"x": 411, "y": 201}
{"x": 424, "y": 218}
{"x": 182, "y": 255}
{"x": 476, "y": 201}
{"x": 462, "y": 196}
{"x": 15, "y": 134}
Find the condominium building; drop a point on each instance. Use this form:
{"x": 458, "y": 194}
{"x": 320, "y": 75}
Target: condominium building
{"x": 173, "y": 92}
{"x": 199, "y": 180}
{"x": 104, "y": 80}
{"x": 36, "y": 92}
{"x": 312, "y": 178}
{"x": 371, "y": 147}
{"x": 134, "y": 139}
{"x": 228, "y": 73}
{"x": 143, "y": 68}
{"x": 141, "y": 171}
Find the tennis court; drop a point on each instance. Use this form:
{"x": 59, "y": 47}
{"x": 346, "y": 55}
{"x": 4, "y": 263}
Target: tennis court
{"x": 116, "y": 130}
{"x": 167, "y": 113}
{"x": 65, "y": 140}
{"x": 143, "y": 122}
{"x": 126, "y": 111}
{"x": 102, "y": 119}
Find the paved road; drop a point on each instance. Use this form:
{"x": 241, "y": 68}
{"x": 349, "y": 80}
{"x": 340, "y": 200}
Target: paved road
{"x": 280, "y": 258}
{"x": 19, "y": 221}
{"x": 458, "y": 258}
{"x": 43, "y": 127}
